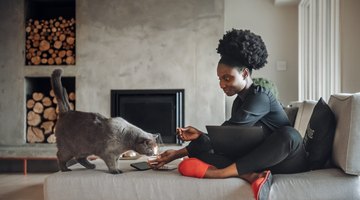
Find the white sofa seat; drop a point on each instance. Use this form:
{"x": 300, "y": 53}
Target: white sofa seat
{"x": 170, "y": 185}
{"x": 329, "y": 184}
{"x": 139, "y": 185}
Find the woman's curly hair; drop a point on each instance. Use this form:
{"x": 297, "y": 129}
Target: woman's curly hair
{"x": 242, "y": 48}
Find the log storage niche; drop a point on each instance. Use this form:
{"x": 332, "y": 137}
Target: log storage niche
{"x": 50, "y": 32}
{"x": 41, "y": 108}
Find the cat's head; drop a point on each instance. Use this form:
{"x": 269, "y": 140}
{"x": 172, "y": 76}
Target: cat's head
{"x": 140, "y": 140}
{"x": 146, "y": 144}
{"x": 134, "y": 138}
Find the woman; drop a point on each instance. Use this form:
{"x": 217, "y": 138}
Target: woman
{"x": 281, "y": 151}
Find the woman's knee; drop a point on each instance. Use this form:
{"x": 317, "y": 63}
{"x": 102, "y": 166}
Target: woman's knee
{"x": 199, "y": 146}
{"x": 289, "y": 134}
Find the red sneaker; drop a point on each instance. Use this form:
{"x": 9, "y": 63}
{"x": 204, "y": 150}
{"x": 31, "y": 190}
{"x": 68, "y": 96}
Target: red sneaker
{"x": 193, "y": 167}
{"x": 261, "y": 186}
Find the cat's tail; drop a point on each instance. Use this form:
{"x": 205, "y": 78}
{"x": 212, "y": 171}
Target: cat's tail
{"x": 59, "y": 91}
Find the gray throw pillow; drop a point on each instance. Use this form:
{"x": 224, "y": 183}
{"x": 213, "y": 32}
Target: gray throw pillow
{"x": 319, "y": 135}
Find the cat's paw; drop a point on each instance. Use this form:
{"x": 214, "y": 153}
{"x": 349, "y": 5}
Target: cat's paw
{"x": 116, "y": 171}
{"x": 66, "y": 170}
{"x": 91, "y": 166}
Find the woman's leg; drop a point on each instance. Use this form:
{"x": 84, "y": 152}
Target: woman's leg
{"x": 281, "y": 152}
{"x": 201, "y": 149}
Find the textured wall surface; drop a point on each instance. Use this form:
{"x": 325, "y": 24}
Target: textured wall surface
{"x": 120, "y": 44}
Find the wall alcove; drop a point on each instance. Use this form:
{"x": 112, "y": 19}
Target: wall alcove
{"x": 50, "y": 32}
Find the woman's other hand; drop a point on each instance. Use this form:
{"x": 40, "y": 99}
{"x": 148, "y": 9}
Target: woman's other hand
{"x": 188, "y": 133}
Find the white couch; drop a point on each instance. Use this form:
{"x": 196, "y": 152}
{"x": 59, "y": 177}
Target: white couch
{"x": 334, "y": 183}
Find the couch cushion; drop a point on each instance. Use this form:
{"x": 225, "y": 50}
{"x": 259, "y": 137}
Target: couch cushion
{"x": 98, "y": 184}
{"x": 303, "y": 114}
{"x": 319, "y": 135}
{"x": 317, "y": 184}
{"x": 291, "y": 112}
{"x": 346, "y": 146}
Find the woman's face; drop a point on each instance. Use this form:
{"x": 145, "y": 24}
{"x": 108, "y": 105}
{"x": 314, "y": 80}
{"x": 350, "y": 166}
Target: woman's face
{"x": 230, "y": 79}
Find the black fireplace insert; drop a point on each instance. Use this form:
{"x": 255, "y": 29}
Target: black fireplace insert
{"x": 154, "y": 111}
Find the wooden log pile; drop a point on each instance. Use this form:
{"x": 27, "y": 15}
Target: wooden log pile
{"x": 42, "y": 113}
{"x": 50, "y": 42}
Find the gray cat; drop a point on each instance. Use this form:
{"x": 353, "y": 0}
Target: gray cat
{"x": 80, "y": 134}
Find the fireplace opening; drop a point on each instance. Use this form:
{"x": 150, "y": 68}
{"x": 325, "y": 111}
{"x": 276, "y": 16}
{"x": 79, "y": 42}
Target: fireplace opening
{"x": 154, "y": 111}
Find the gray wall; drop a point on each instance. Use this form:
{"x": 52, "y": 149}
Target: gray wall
{"x": 142, "y": 44}
{"x": 149, "y": 44}
{"x": 350, "y": 43}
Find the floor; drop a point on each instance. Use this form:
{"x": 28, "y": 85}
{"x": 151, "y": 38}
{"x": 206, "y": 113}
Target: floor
{"x": 16, "y": 186}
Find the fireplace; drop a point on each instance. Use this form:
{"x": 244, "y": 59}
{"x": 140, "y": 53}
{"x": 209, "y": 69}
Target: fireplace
{"x": 155, "y": 111}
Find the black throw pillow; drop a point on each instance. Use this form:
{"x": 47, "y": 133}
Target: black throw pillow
{"x": 319, "y": 135}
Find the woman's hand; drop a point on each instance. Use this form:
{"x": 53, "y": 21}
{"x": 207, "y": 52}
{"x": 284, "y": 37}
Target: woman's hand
{"x": 163, "y": 158}
{"x": 188, "y": 133}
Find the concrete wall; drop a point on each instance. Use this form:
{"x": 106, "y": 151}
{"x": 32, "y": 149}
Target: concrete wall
{"x": 278, "y": 27}
{"x": 120, "y": 44}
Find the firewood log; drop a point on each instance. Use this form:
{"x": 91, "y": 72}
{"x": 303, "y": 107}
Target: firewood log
{"x": 37, "y": 96}
{"x": 54, "y": 100}
{"x": 38, "y": 108}
{"x": 44, "y": 60}
{"x": 72, "y": 96}
{"x": 69, "y": 53}
{"x": 70, "y": 60}
{"x": 33, "y": 119}
{"x": 44, "y": 45}
{"x": 46, "y": 101}
{"x": 51, "y": 139}
{"x": 28, "y": 29}
{"x": 62, "y": 53}
{"x": 51, "y": 93}
{"x": 58, "y": 60}
{"x": 49, "y": 113}
{"x": 36, "y": 37}
{"x": 62, "y": 37}
{"x": 70, "y": 40}
{"x": 35, "y": 134}
{"x": 47, "y": 126}
{"x": 36, "y": 60}
{"x": 57, "y": 110}
{"x": 57, "y": 44}
{"x": 30, "y": 103}
{"x": 28, "y": 56}
{"x": 51, "y": 61}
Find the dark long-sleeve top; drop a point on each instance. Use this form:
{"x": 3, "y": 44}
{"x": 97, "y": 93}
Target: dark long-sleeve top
{"x": 257, "y": 106}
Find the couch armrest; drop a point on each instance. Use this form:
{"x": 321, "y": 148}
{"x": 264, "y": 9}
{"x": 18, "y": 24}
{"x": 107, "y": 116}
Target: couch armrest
{"x": 346, "y": 146}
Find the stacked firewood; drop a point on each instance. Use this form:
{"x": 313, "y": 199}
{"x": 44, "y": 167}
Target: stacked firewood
{"x": 50, "y": 42}
{"x": 42, "y": 113}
